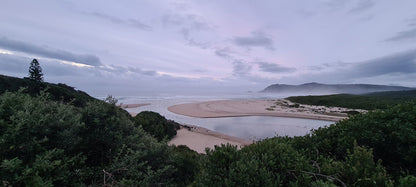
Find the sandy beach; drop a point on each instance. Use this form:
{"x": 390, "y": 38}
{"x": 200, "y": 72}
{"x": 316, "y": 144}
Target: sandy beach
{"x": 277, "y": 107}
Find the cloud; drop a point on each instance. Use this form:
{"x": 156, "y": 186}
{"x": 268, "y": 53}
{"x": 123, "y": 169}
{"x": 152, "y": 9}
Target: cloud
{"x": 412, "y": 22}
{"x": 401, "y": 65}
{"x": 224, "y": 52}
{"x": 241, "y": 69}
{"x": 257, "y": 39}
{"x": 119, "y": 70}
{"x": 189, "y": 25}
{"x": 330, "y": 66}
{"x": 362, "y": 6}
{"x": 189, "y": 21}
{"x": 404, "y": 35}
{"x": 336, "y": 4}
{"x": 408, "y": 34}
{"x": 191, "y": 41}
{"x": 15, "y": 45}
{"x": 274, "y": 68}
{"x": 129, "y": 22}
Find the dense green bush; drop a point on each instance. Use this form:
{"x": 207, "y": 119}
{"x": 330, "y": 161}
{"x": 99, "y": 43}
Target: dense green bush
{"x": 274, "y": 162}
{"x": 156, "y": 125}
{"x": 47, "y": 143}
{"x": 391, "y": 134}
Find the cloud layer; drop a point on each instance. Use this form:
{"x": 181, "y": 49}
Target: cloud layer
{"x": 257, "y": 39}
{"x": 20, "y": 46}
{"x": 204, "y": 45}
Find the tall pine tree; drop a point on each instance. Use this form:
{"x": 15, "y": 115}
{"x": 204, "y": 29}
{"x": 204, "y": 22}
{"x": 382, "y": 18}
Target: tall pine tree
{"x": 35, "y": 71}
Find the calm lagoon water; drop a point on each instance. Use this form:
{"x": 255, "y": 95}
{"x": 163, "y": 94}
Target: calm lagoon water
{"x": 251, "y": 127}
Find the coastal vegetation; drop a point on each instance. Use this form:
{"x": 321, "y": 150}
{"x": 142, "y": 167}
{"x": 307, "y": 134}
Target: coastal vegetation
{"x": 369, "y": 101}
{"x": 47, "y": 141}
{"x": 54, "y": 135}
{"x": 373, "y": 149}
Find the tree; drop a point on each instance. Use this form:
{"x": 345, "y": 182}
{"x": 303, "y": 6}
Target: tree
{"x": 35, "y": 71}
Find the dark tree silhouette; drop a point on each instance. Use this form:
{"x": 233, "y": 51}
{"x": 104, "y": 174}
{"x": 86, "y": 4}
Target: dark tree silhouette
{"x": 35, "y": 71}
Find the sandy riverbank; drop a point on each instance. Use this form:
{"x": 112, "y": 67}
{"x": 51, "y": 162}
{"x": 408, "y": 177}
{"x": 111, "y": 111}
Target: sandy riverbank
{"x": 277, "y": 107}
{"x": 199, "y": 138}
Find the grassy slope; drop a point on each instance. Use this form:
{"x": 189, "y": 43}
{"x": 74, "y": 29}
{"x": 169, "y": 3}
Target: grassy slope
{"x": 378, "y": 100}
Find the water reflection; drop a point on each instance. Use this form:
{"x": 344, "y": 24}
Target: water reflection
{"x": 260, "y": 127}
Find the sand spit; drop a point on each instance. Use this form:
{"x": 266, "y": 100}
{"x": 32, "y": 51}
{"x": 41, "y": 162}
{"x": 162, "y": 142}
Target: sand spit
{"x": 275, "y": 107}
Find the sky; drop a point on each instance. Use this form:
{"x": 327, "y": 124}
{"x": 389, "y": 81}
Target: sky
{"x": 131, "y": 47}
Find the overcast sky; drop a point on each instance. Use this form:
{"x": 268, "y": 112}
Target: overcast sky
{"x": 131, "y": 47}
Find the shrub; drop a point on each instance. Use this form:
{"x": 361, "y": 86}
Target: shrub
{"x": 156, "y": 125}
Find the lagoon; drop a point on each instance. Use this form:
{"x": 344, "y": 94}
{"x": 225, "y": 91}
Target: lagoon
{"x": 248, "y": 127}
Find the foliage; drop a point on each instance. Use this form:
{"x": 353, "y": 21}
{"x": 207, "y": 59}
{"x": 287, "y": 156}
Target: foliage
{"x": 274, "y": 162}
{"x": 35, "y": 71}
{"x": 408, "y": 180}
{"x": 47, "y": 140}
{"x": 156, "y": 125}
{"x": 188, "y": 164}
{"x": 47, "y": 143}
{"x": 111, "y": 100}
{"x": 358, "y": 169}
{"x": 33, "y": 136}
{"x": 390, "y": 133}
{"x": 378, "y": 100}
{"x": 58, "y": 92}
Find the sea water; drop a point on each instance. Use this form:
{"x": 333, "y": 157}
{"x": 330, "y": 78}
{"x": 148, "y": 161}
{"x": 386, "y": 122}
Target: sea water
{"x": 249, "y": 127}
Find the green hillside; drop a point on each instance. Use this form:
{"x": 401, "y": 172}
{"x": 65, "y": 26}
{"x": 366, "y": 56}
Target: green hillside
{"x": 377, "y": 100}
{"x": 58, "y": 92}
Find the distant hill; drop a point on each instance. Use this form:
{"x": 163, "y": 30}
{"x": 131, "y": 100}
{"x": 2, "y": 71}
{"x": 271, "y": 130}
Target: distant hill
{"x": 58, "y": 92}
{"x": 319, "y": 89}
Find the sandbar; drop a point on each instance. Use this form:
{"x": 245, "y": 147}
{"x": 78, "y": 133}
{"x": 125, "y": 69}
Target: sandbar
{"x": 270, "y": 107}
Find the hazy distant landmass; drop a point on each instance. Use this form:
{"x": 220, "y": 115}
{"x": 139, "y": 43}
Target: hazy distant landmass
{"x": 317, "y": 88}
